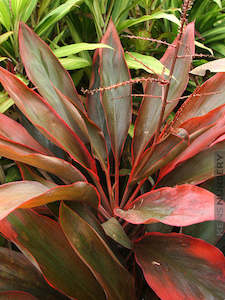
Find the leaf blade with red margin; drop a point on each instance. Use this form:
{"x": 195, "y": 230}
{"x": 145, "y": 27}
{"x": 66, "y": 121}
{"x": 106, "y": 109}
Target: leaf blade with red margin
{"x": 51, "y": 164}
{"x": 45, "y": 241}
{"x": 107, "y": 270}
{"x": 28, "y": 194}
{"x": 180, "y": 267}
{"x": 116, "y": 102}
{"x": 44, "y": 69}
{"x": 179, "y": 206}
{"x": 150, "y": 109}
{"x": 18, "y": 274}
{"x": 45, "y": 118}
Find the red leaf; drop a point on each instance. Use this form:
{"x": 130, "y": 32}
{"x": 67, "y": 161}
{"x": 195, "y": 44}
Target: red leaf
{"x": 54, "y": 165}
{"x": 28, "y": 194}
{"x": 150, "y": 109}
{"x": 43, "y": 69}
{"x": 107, "y": 270}
{"x": 116, "y": 102}
{"x": 42, "y": 116}
{"x": 179, "y": 206}
{"x": 17, "y": 133}
{"x": 180, "y": 267}
{"x": 44, "y": 240}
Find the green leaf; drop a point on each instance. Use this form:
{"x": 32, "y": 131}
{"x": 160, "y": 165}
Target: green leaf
{"x": 113, "y": 229}
{"x": 218, "y": 2}
{"x": 200, "y": 45}
{"x": 150, "y": 64}
{"x": 76, "y": 48}
{"x": 55, "y": 15}
{"x": 12, "y": 174}
{"x": 107, "y": 270}
{"x": 180, "y": 267}
{"x": 18, "y": 274}
{"x": 158, "y": 15}
{"x": 5, "y": 17}
{"x": 43, "y": 238}
{"x": 74, "y": 63}
{"x": 4, "y": 37}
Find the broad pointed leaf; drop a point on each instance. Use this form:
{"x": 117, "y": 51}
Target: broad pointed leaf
{"x": 150, "y": 109}
{"x": 28, "y": 194}
{"x": 164, "y": 152}
{"x": 197, "y": 169}
{"x": 107, "y": 270}
{"x": 54, "y": 165}
{"x": 213, "y": 66}
{"x": 179, "y": 206}
{"x": 37, "y": 110}
{"x": 180, "y": 267}
{"x": 44, "y": 69}
{"x": 94, "y": 106}
{"x": 116, "y": 102}
{"x": 89, "y": 128}
{"x": 18, "y": 274}
{"x": 113, "y": 228}
{"x": 45, "y": 241}
{"x": 204, "y": 99}
{"x": 198, "y": 145}
{"x": 17, "y": 133}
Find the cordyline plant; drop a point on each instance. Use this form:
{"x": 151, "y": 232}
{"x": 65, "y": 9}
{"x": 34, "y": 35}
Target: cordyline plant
{"x": 99, "y": 245}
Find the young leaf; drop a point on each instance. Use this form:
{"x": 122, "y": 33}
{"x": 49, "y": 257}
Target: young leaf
{"x": 44, "y": 240}
{"x": 113, "y": 228}
{"x": 76, "y": 48}
{"x": 150, "y": 64}
{"x": 107, "y": 270}
{"x": 179, "y": 206}
{"x": 94, "y": 106}
{"x": 150, "y": 109}
{"x": 55, "y": 15}
{"x": 116, "y": 102}
{"x": 180, "y": 267}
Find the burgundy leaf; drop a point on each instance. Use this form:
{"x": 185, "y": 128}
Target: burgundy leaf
{"x": 43, "y": 69}
{"x": 179, "y": 206}
{"x": 28, "y": 194}
{"x": 54, "y": 165}
{"x": 107, "y": 270}
{"x": 150, "y": 109}
{"x": 44, "y": 240}
{"x": 42, "y": 116}
{"x": 180, "y": 267}
{"x": 116, "y": 101}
